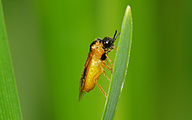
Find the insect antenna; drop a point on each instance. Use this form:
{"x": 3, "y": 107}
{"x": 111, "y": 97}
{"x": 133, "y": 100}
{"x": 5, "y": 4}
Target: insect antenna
{"x": 115, "y": 34}
{"x": 114, "y": 38}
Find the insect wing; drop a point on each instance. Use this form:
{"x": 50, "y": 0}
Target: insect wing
{"x": 83, "y": 76}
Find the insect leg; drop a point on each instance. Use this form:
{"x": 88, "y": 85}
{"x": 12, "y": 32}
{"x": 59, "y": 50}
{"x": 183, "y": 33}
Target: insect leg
{"x": 109, "y": 59}
{"x": 96, "y": 78}
{"x": 101, "y": 89}
{"x": 107, "y": 62}
{"x": 111, "y": 69}
{"x": 106, "y": 75}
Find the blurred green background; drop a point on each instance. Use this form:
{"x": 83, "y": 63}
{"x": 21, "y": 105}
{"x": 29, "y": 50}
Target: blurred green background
{"x": 49, "y": 42}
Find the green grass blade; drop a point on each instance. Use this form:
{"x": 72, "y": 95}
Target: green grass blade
{"x": 120, "y": 66}
{"x": 9, "y": 102}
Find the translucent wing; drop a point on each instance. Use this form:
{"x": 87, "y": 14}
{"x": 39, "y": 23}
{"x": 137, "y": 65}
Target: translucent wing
{"x": 83, "y": 76}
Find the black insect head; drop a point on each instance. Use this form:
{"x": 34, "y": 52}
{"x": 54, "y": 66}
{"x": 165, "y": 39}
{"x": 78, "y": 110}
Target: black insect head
{"x": 108, "y": 43}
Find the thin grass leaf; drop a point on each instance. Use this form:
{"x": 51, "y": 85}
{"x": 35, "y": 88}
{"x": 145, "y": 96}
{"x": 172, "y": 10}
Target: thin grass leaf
{"x": 9, "y": 102}
{"x": 120, "y": 66}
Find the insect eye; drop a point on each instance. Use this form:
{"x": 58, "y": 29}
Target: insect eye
{"x": 106, "y": 42}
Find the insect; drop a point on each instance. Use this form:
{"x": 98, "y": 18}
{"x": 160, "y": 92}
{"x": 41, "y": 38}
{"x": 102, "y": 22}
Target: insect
{"x": 95, "y": 63}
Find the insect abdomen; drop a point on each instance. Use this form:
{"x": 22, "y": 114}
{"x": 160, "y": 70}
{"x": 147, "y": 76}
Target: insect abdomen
{"x": 93, "y": 74}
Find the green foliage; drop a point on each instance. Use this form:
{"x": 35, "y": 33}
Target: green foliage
{"x": 49, "y": 42}
{"x": 9, "y": 102}
{"x": 121, "y": 65}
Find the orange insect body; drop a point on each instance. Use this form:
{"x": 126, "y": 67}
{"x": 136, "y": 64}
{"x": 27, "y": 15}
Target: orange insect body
{"x": 95, "y": 63}
{"x": 96, "y": 67}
